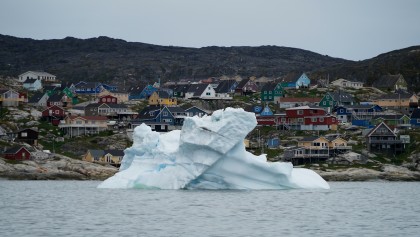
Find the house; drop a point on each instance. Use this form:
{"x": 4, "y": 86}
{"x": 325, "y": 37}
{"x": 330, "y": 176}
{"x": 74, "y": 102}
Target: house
{"x": 112, "y": 157}
{"x": 273, "y": 142}
{"x": 9, "y": 98}
{"x": 32, "y": 84}
{"x": 53, "y": 114}
{"x": 179, "y": 91}
{"x": 400, "y": 101}
{"x": 391, "y": 83}
{"x": 141, "y": 92}
{"x": 87, "y": 87}
{"x": 290, "y": 102}
{"x": 108, "y": 99}
{"x": 332, "y": 99}
{"x": 350, "y": 113}
{"x": 295, "y": 80}
{"x": 415, "y": 118}
{"x": 17, "y": 153}
{"x": 316, "y": 148}
{"x": 28, "y": 135}
{"x": 60, "y": 100}
{"x": 343, "y": 83}
{"x": 153, "y": 117}
{"x": 117, "y": 111}
{"x": 83, "y": 125}
{"x": 225, "y": 89}
{"x": 121, "y": 96}
{"x": 392, "y": 121}
{"x": 272, "y": 92}
{"x": 93, "y": 155}
{"x": 266, "y": 117}
{"x": 44, "y": 76}
{"x": 195, "y": 111}
{"x": 39, "y": 99}
{"x": 307, "y": 118}
{"x": 383, "y": 140}
{"x": 246, "y": 87}
{"x": 162, "y": 98}
{"x": 200, "y": 91}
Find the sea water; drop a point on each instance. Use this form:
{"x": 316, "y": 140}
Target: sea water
{"x": 78, "y": 208}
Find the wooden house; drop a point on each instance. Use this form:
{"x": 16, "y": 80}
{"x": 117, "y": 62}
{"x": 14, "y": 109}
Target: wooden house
{"x": 179, "y": 91}
{"x": 28, "y": 135}
{"x": 391, "y": 83}
{"x": 83, "y": 125}
{"x": 350, "y": 113}
{"x": 93, "y": 155}
{"x": 400, "y": 101}
{"x": 272, "y": 92}
{"x": 9, "y": 98}
{"x": 195, "y": 111}
{"x": 307, "y": 118}
{"x": 415, "y": 118}
{"x": 343, "y": 83}
{"x": 162, "y": 98}
{"x": 121, "y": 96}
{"x": 200, "y": 91}
{"x": 246, "y": 87}
{"x": 53, "y": 114}
{"x": 225, "y": 89}
{"x": 112, "y": 157}
{"x": 17, "y": 153}
{"x": 393, "y": 121}
{"x": 44, "y": 76}
{"x": 290, "y": 102}
{"x": 336, "y": 98}
{"x": 39, "y": 99}
{"x": 383, "y": 140}
{"x": 295, "y": 80}
{"x": 141, "y": 92}
{"x": 32, "y": 84}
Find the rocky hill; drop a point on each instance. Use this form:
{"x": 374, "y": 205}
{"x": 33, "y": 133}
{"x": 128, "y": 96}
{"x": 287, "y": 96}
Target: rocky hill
{"x": 113, "y": 60}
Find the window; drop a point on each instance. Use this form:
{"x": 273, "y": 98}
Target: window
{"x": 23, "y": 155}
{"x": 341, "y": 110}
{"x": 265, "y": 92}
{"x": 321, "y": 119}
{"x": 165, "y": 113}
{"x": 300, "y": 112}
{"x": 24, "y": 134}
{"x": 300, "y": 120}
{"x": 283, "y": 119}
{"x": 208, "y": 93}
{"x": 270, "y": 92}
{"x": 57, "y": 111}
{"x": 313, "y": 119}
{"x": 324, "y": 103}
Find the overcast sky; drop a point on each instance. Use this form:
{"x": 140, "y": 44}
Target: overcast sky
{"x": 350, "y": 29}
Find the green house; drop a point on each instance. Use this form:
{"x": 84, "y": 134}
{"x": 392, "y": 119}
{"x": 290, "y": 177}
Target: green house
{"x": 392, "y": 120}
{"x": 271, "y": 91}
{"x": 336, "y": 98}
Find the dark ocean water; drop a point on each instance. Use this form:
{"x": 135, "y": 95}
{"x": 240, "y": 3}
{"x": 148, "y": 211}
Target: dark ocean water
{"x": 78, "y": 208}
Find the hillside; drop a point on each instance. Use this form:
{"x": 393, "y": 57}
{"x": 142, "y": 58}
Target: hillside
{"x": 106, "y": 59}
{"x": 113, "y": 60}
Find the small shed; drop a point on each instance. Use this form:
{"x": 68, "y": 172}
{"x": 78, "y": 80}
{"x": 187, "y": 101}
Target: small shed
{"x": 17, "y": 153}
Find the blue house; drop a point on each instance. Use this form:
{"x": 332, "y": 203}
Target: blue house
{"x": 415, "y": 118}
{"x": 295, "y": 80}
{"x": 273, "y": 142}
{"x": 350, "y": 113}
{"x": 266, "y": 111}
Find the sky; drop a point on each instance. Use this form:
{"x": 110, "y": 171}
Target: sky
{"x": 349, "y": 29}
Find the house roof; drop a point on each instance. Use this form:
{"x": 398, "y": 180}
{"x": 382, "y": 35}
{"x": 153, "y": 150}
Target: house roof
{"x": 175, "y": 109}
{"x": 389, "y": 116}
{"x": 163, "y": 94}
{"x": 97, "y": 153}
{"x": 114, "y": 152}
{"x": 309, "y": 139}
{"x": 225, "y": 86}
{"x": 395, "y": 96}
{"x": 35, "y": 98}
{"x": 30, "y": 81}
{"x": 291, "y": 77}
{"x": 146, "y": 112}
{"x": 300, "y": 99}
{"x": 14, "y": 150}
{"x": 181, "y": 88}
{"x": 387, "y": 81}
{"x": 341, "y": 96}
{"x": 197, "y": 89}
{"x": 38, "y": 73}
{"x": 415, "y": 114}
{"x": 242, "y": 83}
{"x": 55, "y": 98}
{"x": 269, "y": 86}
{"x": 377, "y": 126}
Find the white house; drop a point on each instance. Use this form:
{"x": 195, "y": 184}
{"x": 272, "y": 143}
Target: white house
{"x": 9, "y": 97}
{"x": 43, "y": 76}
{"x": 32, "y": 84}
{"x": 200, "y": 91}
{"x": 342, "y": 83}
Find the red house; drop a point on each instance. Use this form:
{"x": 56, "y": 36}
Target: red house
{"x": 53, "y": 114}
{"x": 108, "y": 99}
{"x": 308, "y": 118}
{"x": 17, "y": 153}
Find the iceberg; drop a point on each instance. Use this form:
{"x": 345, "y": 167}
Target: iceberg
{"x": 207, "y": 153}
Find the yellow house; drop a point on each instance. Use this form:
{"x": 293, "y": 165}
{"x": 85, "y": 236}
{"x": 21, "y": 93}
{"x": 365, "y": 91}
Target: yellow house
{"x": 396, "y": 100}
{"x": 337, "y": 143}
{"x": 314, "y": 143}
{"x": 93, "y": 155}
{"x": 113, "y": 157}
{"x": 162, "y": 98}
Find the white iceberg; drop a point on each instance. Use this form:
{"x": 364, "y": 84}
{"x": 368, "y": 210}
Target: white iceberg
{"x": 208, "y": 153}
